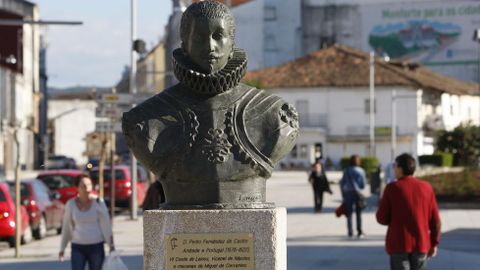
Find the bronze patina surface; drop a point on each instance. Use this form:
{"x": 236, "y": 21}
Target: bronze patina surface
{"x": 210, "y": 139}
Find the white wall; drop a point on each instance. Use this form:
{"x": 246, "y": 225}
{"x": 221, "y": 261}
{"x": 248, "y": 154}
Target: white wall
{"x": 460, "y": 109}
{"x": 347, "y": 126}
{"x": 71, "y": 128}
{"x": 283, "y": 32}
{"x": 345, "y": 108}
{"x": 269, "y": 41}
{"x": 249, "y": 31}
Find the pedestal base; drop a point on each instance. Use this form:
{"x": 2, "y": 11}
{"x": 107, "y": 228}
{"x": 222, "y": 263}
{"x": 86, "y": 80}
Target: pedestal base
{"x": 212, "y": 239}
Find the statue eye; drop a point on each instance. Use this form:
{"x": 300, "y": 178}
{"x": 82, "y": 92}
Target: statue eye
{"x": 217, "y": 36}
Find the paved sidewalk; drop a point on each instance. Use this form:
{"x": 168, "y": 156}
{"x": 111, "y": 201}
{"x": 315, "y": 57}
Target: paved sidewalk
{"x": 318, "y": 241}
{"x": 315, "y": 241}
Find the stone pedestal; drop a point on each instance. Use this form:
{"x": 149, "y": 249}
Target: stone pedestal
{"x": 266, "y": 229}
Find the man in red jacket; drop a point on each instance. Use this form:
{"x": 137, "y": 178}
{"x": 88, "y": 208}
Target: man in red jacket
{"x": 409, "y": 209}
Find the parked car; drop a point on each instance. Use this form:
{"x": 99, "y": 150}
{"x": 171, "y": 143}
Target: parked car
{"x": 44, "y": 208}
{"x": 7, "y": 217}
{"x": 123, "y": 184}
{"x": 61, "y": 181}
{"x": 61, "y": 162}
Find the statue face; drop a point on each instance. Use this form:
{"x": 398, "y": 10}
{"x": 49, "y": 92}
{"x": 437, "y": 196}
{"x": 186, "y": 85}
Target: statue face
{"x": 209, "y": 44}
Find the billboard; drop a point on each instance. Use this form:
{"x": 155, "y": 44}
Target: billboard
{"x": 435, "y": 33}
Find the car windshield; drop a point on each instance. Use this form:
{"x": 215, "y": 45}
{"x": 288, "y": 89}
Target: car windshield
{"x": 119, "y": 175}
{"x": 24, "y": 192}
{"x": 2, "y": 197}
{"x": 55, "y": 182}
{"x": 57, "y": 158}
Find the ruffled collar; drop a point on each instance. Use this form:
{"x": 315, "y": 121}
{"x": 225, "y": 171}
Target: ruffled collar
{"x": 214, "y": 83}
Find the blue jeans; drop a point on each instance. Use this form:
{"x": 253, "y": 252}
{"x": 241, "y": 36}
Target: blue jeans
{"x": 351, "y": 199}
{"x": 94, "y": 254}
{"x": 408, "y": 261}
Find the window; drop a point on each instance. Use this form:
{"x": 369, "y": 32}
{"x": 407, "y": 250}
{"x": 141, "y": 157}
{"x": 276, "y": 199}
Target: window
{"x": 119, "y": 175}
{"x": 24, "y": 191}
{"x": 270, "y": 13}
{"x": 41, "y": 191}
{"x": 54, "y": 182}
{"x": 318, "y": 151}
{"x": 367, "y": 106}
{"x": 270, "y": 43}
{"x": 303, "y": 151}
{"x": 2, "y": 197}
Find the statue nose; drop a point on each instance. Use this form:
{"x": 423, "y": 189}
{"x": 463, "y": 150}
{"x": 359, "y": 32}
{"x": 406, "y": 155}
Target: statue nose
{"x": 211, "y": 44}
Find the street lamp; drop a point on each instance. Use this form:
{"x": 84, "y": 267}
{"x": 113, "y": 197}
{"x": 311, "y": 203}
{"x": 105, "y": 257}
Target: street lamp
{"x": 372, "y": 103}
{"x": 476, "y": 38}
{"x": 385, "y": 58}
{"x": 133, "y": 91}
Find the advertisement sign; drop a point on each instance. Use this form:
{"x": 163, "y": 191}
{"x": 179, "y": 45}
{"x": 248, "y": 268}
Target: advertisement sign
{"x": 433, "y": 33}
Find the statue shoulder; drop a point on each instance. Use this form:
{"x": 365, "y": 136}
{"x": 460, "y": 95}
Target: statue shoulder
{"x": 271, "y": 123}
{"x": 149, "y": 125}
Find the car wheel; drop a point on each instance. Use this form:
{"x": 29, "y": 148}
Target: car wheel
{"x": 26, "y": 237}
{"x": 41, "y": 230}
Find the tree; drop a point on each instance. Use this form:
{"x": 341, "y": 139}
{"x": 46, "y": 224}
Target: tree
{"x": 463, "y": 142}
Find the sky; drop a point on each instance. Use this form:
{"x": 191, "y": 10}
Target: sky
{"x": 95, "y": 53}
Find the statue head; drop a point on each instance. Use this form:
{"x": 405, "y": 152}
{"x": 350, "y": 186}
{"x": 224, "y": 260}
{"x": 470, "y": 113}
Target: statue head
{"x": 207, "y": 31}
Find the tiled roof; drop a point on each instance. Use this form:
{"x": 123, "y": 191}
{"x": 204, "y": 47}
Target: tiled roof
{"x": 341, "y": 66}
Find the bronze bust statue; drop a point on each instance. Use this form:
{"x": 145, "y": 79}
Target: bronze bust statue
{"x": 211, "y": 140}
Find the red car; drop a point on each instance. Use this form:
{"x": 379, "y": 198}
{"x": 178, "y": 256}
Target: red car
{"x": 123, "y": 184}
{"x": 44, "y": 208}
{"x": 61, "y": 181}
{"x": 7, "y": 217}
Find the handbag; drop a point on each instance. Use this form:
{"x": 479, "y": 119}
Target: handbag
{"x": 341, "y": 210}
{"x": 362, "y": 201}
{"x": 114, "y": 262}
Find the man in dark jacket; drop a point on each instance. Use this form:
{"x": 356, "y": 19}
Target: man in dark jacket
{"x": 409, "y": 209}
{"x": 320, "y": 184}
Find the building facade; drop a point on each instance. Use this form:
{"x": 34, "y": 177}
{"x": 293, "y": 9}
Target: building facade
{"x": 19, "y": 83}
{"x": 269, "y": 31}
{"x": 151, "y": 70}
{"x": 71, "y": 117}
{"x": 330, "y": 90}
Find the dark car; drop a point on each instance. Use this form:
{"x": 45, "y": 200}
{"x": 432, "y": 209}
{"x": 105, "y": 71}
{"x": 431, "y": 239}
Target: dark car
{"x": 123, "y": 184}
{"x": 61, "y": 181}
{"x": 44, "y": 208}
{"x": 7, "y": 217}
{"x": 61, "y": 162}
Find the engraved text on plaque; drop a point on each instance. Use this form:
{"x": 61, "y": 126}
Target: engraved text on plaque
{"x": 222, "y": 251}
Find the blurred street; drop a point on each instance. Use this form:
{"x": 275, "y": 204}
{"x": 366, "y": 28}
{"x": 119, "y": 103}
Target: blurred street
{"x": 315, "y": 241}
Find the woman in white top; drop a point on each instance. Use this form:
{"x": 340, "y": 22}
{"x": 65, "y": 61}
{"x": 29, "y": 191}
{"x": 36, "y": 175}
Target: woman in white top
{"x": 86, "y": 223}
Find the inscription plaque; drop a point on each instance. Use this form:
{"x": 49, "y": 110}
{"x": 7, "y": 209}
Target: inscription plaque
{"x": 222, "y": 251}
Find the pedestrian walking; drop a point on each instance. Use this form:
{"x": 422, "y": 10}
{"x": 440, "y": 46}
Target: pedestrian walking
{"x": 388, "y": 177}
{"x": 318, "y": 180}
{"x": 409, "y": 209}
{"x": 351, "y": 185}
{"x": 86, "y": 224}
